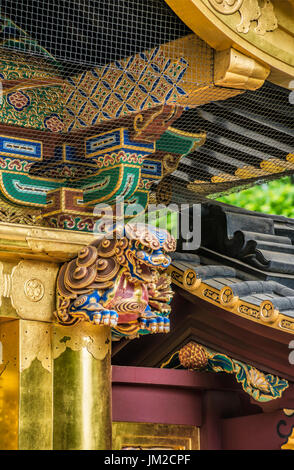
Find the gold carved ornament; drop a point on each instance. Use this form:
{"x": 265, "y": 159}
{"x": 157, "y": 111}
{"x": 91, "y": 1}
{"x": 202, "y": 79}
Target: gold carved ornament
{"x": 259, "y": 385}
{"x": 261, "y": 11}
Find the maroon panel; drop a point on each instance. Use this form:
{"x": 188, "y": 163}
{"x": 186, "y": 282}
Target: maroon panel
{"x": 156, "y": 404}
{"x": 174, "y": 378}
{"x": 217, "y": 405}
{"x": 267, "y": 431}
{"x": 213, "y": 402}
{"x": 143, "y": 394}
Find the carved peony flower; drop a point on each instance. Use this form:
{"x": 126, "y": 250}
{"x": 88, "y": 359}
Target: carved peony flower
{"x": 53, "y": 123}
{"x": 18, "y": 100}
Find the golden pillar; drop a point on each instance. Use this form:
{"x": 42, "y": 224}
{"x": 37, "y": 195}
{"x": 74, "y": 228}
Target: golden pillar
{"x": 27, "y": 299}
{"x": 82, "y": 387}
{"x": 54, "y": 381}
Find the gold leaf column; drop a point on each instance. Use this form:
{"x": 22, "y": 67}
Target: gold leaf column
{"x": 26, "y": 381}
{"x": 29, "y": 263}
{"x": 25, "y": 385}
{"x": 82, "y": 387}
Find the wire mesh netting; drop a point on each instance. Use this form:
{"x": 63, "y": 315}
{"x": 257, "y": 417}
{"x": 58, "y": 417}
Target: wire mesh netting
{"x": 83, "y": 34}
{"x": 108, "y": 98}
{"x": 249, "y": 140}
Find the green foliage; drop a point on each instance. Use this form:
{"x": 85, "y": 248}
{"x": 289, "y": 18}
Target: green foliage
{"x": 164, "y": 218}
{"x": 275, "y": 197}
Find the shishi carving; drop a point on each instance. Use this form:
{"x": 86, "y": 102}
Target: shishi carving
{"x": 119, "y": 281}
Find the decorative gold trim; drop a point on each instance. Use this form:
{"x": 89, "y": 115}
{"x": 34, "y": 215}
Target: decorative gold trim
{"x": 121, "y": 146}
{"x": 289, "y": 445}
{"x": 151, "y": 436}
{"x": 30, "y": 298}
{"x": 95, "y": 339}
{"x": 250, "y": 10}
{"x": 268, "y": 313}
{"x": 26, "y": 386}
{"x": 35, "y": 344}
{"x": 267, "y": 167}
{"x": 275, "y": 165}
{"x": 226, "y": 7}
{"x": 191, "y": 135}
{"x": 27, "y": 241}
{"x": 233, "y": 69}
{"x": 227, "y": 297}
{"x": 273, "y": 49}
{"x": 250, "y": 171}
{"x": 288, "y": 412}
{"x": 34, "y": 289}
{"x": 190, "y": 280}
{"x": 264, "y": 314}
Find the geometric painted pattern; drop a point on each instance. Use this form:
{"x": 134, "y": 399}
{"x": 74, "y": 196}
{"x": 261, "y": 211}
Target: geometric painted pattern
{"x": 134, "y": 84}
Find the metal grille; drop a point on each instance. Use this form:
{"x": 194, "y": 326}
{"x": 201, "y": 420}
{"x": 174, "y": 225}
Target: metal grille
{"x": 89, "y": 33}
{"x": 249, "y": 140}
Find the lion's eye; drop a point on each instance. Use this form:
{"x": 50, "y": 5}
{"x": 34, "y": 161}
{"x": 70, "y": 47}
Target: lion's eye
{"x": 146, "y": 249}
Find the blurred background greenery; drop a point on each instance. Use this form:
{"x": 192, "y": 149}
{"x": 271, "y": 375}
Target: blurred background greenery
{"x": 275, "y": 197}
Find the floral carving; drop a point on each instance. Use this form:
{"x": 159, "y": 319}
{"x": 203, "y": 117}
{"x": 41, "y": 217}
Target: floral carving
{"x": 258, "y": 380}
{"x": 261, "y": 11}
{"x": 34, "y": 290}
{"x": 260, "y": 386}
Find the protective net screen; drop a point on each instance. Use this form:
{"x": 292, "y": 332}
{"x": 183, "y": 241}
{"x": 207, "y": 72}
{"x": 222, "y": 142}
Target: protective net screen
{"x": 108, "y": 99}
{"x": 83, "y": 33}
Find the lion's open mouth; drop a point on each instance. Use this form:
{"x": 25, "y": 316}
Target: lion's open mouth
{"x": 141, "y": 268}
